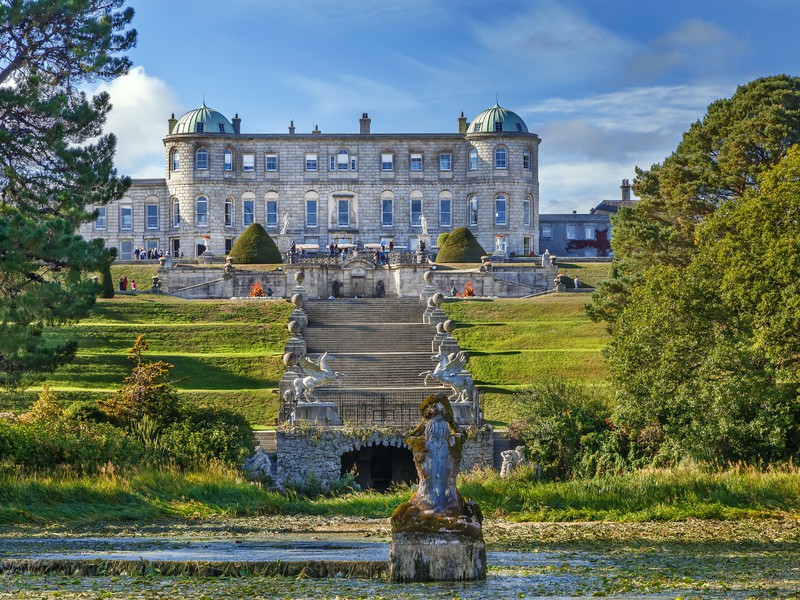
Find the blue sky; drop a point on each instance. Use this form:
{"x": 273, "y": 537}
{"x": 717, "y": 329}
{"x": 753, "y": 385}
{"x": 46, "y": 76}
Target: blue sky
{"x": 607, "y": 85}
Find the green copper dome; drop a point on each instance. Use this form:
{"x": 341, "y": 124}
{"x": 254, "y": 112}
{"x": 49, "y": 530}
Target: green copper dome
{"x": 497, "y": 119}
{"x": 203, "y": 120}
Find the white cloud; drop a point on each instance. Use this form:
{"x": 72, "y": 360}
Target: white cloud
{"x": 580, "y": 186}
{"x": 141, "y": 106}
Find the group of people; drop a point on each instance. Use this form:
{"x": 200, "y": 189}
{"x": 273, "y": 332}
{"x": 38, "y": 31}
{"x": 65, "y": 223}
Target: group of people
{"x": 123, "y": 284}
{"x": 153, "y": 253}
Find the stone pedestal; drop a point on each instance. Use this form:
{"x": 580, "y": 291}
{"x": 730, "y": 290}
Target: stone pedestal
{"x": 437, "y": 316}
{"x": 299, "y": 315}
{"x": 463, "y": 413}
{"x": 317, "y": 413}
{"x": 283, "y": 241}
{"x": 441, "y": 556}
{"x": 297, "y": 345}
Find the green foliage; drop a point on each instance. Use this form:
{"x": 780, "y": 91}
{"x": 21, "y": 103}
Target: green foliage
{"x": 255, "y": 246}
{"x": 146, "y": 391}
{"x": 566, "y": 429}
{"x": 442, "y": 238}
{"x": 106, "y": 281}
{"x": 55, "y": 166}
{"x": 460, "y": 247}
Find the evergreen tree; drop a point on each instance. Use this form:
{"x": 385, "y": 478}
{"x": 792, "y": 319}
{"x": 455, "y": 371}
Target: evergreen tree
{"x": 51, "y": 174}
{"x": 460, "y": 247}
{"x": 255, "y": 247}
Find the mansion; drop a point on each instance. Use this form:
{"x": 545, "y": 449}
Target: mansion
{"x": 321, "y": 189}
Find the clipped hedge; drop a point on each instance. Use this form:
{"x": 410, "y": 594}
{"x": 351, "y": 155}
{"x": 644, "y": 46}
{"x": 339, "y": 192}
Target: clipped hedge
{"x": 460, "y": 247}
{"x": 255, "y": 246}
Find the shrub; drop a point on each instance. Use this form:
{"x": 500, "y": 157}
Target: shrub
{"x": 203, "y": 434}
{"x": 255, "y": 246}
{"x": 442, "y": 238}
{"x": 106, "y": 281}
{"x": 567, "y": 430}
{"x": 460, "y": 247}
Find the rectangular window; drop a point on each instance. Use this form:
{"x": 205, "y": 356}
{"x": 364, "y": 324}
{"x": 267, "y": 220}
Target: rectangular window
{"x": 228, "y": 213}
{"x": 547, "y": 231}
{"x": 500, "y": 210}
{"x": 248, "y": 212}
{"x": 526, "y": 212}
{"x": 342, "y": 161}
{"x": 126, "y": 250}
{"x": 344, "y": 213}
{"x": 125, "y": 217}
{"x": 527, "y": 246}
{"x": 311, "y": 213}
{"x": 152, "y": 216}
{"x": 100, "y": 222}
{"x": 248, "y": 162}
{"x": 526, "y": 160}
{"x": 590, "y": 231}
{"x": 416, "y": 162}
{"x": 311, "y": 162}
{"x": 416, "y": 212}
{"x": 272, "y": 213}
{"x": 353, "y": 164}
{"x": 572, "y": 231}
{"x": 228, "y": 160}
{"x": 387, "y": 213}
{"x": 387, "y": 162}
{"x": 271, "y": 162}
{"x": 445, "y": 162}
{"x": 176, "y": 214}
{"x": 228, "y": 245}
{"x": 444, "y": 212}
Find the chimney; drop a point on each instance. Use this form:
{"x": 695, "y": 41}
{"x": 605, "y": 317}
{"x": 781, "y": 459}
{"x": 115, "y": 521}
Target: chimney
{"x": 316, "y": 130}
{"x": 237, "y": 124}
{"x": 363, "y": 124}
{"x": 462, "y": 123}
{"x": 625, "y": 188}
{"x": 172, "y": 122}
{"x": 291, "y": 127}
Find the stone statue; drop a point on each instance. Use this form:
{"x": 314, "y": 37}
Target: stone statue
{"x": 258, "y": 466}
{"x": 546, "y": 259}
{"x": 448, "y": 371}
{"x": 423, "y": 223}
{"x": 511, "y": 460}
{"x": 436, "y": 535}
{"x": 318, "y": 373}
{"x": 286, "y": 219}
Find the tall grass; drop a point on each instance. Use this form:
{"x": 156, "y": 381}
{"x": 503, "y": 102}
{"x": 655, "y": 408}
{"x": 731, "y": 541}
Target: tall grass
{"x": 218, "y": 491}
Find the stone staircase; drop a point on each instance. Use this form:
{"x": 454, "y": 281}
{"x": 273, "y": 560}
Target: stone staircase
{"x": 379, "y": 343}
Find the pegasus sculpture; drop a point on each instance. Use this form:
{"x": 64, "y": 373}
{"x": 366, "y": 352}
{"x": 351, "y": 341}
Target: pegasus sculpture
{"x": 317, "y": 373}
{"x": 450, "y": 371}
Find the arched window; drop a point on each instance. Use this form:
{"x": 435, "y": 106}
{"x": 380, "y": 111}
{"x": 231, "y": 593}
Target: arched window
{"x": 445, "y": 209}
{"x": 228, "y": 212}
{"x": 248, "y": 208}
{"x": 526, "y": 159}
{"x": 472, "y": 159}
{"x": 201, "y": 159}
{"x": 342, "y": 160}
{"x": 272, "y": 208}
{"x": 527, "y": 204}
{"x": 472, "y": 208}
{"x": 228, "y": 159}
{"x": 201, "y": 212}
{"x": 416, "y": 208}
{"x": 500, "y": 208}
{"x": 312, "y": 209}
{"x": 176, "y": 213}
{"x": 500, "y": 157}
{"x": 387, "y": 209}
{"x": 176, "y": 163}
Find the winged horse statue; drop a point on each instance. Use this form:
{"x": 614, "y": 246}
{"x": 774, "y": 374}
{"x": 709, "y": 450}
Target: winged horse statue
{"x": 317, "y": 373}
{"x": 449, "y": 371}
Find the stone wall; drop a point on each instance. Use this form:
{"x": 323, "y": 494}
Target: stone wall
{"x": 315, "y": 453}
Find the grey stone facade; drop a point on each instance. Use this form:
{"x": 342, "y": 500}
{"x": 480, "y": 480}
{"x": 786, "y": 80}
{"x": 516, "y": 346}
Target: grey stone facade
{"x": 223, "y": 173}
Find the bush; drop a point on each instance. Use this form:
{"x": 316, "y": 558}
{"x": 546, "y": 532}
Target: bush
{"x": 255, "y": 246}
{"x": 203, "y": 434}
{"x": 442, "y": 238}
{"x": 566, "y": 429}
{"x": 460, "y": 247}
{"x": 106, "y": 281}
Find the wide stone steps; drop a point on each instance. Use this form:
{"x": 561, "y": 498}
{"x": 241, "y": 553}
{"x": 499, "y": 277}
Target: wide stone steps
{"x": 399, "y": 370}
{"x": 368, "y": 337}
{"x": 364, "y": 310}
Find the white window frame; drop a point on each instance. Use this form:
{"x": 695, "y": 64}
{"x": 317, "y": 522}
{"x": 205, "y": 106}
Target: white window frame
{"x": 248, "y": 212}
{"x": 472, "y": 159}
{"x": 387, "y": 162}
{"x": 415, "y": 162}
{"x": 572, "y": 231}
{"x": 100, "y": 223}
{"x": 445, "y": 216}
{"x": 547, "y": 231}
{"x": 228, "y": 159}
{"x": 342, "y": 165}
{"x": 472, "y": 210}
{"x": 176, "y": 160}
{"x": 312, "y": 213}
{"x": 446, "y": 162}
{"x": 342, "y": 202}
{"x": 248, "y": 162}
{"x": 151, "y": 212}
{"x": 416, "y": 214}
{"x": 126, "y": 250}
{"x": 201, "y": 164}
{"x": 526, "y": 159}
{"x": 228, "y": 213}
{"x": 123, "y": 211}
{"x": 387, "y": 222}
{"x": 271, "y": 158}
{"x": 176, "y": 213}
{"x": 272, "y": 213}
{"x": 198, "y": 214}
{"x": 312, "y": 161}
{"x": 501, "y": 158}
{"x": 501, "y": 216}
{"x": 590, "y": 231}
{"x": 526, "y": 211}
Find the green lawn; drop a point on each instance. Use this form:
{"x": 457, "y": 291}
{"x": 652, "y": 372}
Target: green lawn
{"x": 229, "y": 352}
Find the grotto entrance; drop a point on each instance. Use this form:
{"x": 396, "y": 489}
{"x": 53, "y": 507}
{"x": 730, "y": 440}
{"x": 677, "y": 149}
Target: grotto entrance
{"x": 378, "y": 467}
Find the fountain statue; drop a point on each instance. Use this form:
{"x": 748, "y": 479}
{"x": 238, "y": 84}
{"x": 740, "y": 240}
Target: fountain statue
{"x": 450, "y": 371}
{"x": 436, "y": 535}
{"x": 317, "y": 373}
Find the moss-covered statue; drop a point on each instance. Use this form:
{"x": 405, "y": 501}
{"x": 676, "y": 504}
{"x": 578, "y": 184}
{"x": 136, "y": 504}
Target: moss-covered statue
{"x": 436, "y": 535}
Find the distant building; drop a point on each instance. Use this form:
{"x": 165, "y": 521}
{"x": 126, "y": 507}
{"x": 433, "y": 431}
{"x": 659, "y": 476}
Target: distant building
{"x": 324, "y": 189}
{"x": 582, "y": 234}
